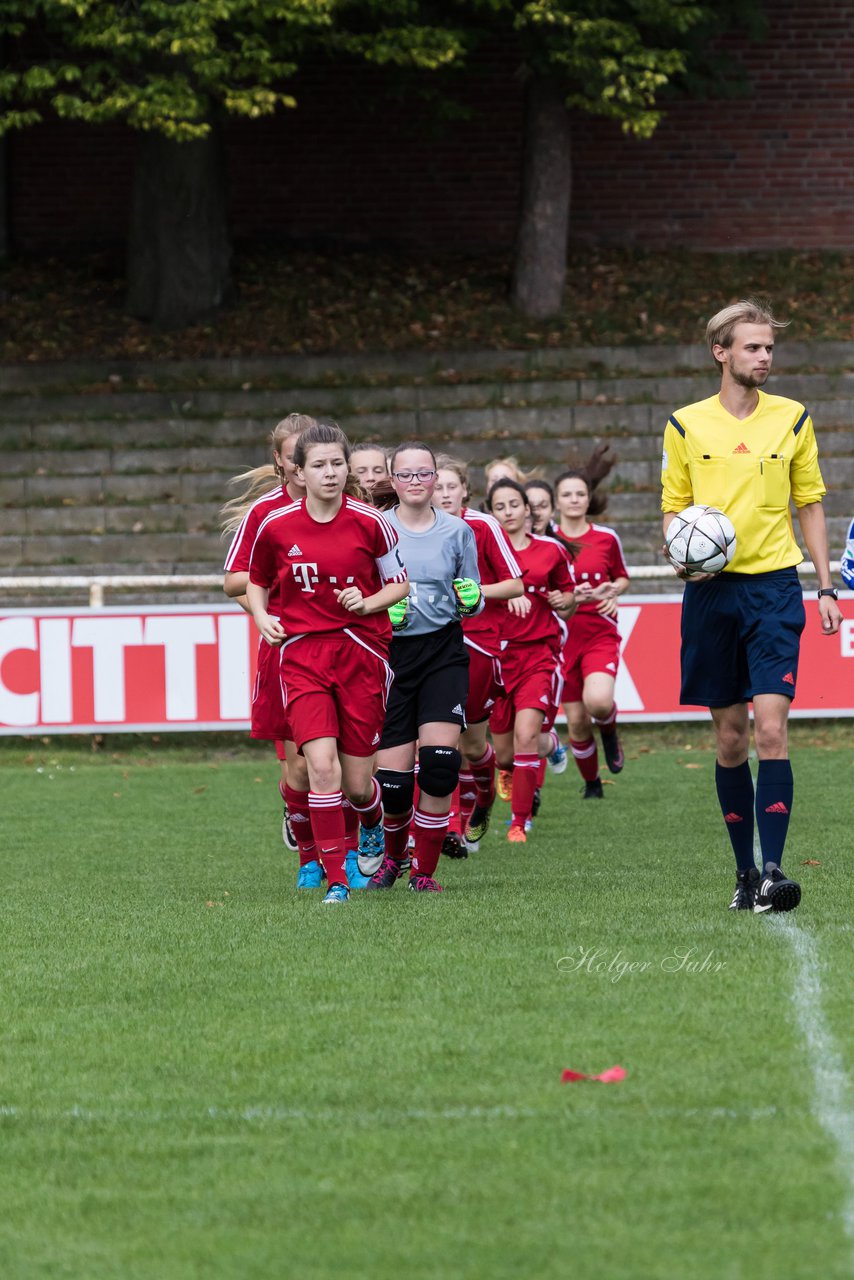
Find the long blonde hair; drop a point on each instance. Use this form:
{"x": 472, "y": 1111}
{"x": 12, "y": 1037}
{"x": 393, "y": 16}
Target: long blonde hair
{"x": 260, "y": 480}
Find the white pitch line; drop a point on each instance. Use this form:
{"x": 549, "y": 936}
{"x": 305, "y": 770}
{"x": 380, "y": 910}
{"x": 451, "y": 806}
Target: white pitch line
{"x": 830, "y": 1096}
{"x": 261, "y": 1115}
{"x": 832, "y": 1088}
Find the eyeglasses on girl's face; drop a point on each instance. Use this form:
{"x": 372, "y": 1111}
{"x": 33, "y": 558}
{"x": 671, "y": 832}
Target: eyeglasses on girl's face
{"x": 406, "y": 477}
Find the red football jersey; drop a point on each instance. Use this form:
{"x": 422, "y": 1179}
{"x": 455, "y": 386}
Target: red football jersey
{"x": 599, "y": 560}
{"x": 308, "y": 561}
{"x": 546, "y": 567}
{"x": 240, "y": 551}
{"x": 497, "y": 562}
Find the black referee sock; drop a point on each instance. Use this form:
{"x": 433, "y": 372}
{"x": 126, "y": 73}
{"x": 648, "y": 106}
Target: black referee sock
{"x": 774, "y": 789}
{"x": 735, "y": 794}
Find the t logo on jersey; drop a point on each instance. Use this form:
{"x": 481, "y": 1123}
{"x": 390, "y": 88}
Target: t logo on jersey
{"x": 306, "y": 575}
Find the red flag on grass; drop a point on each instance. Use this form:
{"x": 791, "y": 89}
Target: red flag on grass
{"x": 612, "y": 1076}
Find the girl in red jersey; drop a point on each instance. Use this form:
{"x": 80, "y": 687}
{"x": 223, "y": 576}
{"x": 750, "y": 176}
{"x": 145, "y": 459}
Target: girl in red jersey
{"x": 530, "y": 663}
{"x": 267, "y": 489}
{"x": 541, "y": 500}
{"x": 501, "y": 580}
{"x": 591, "y": 654}
{"x": 369, "y": 465}
{"x": 334, "y": 564}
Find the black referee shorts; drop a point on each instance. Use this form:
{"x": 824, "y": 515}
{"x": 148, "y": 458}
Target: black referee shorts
{"x": 431, "y": 683}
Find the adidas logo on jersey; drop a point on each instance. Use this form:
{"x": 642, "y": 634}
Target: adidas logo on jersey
{"x": 788, "y": 678}
{"x": 295, "y": 551}
{"x": 457, "y": 710}
{"x": 544, "y": 699}
{"x": 490, "y": 702}
{"x": 741, "y": 448}
{"x": 375, "y": 739}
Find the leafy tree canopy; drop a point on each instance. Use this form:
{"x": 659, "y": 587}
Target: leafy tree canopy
{"x": 615, "y": 58}
{"x": 164, "y": 64}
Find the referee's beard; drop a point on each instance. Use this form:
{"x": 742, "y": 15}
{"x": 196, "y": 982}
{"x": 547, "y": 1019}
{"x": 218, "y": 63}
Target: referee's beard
{"x": 750, "y": 381}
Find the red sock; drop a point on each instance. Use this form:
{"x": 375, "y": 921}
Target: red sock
{"x": 430, "y": 831}
{"x": 327, "y": 823}
{"x": 609, "y": 724}
{"x": 297, "y": 802}
{"x": 541, "y": 773}
{"x": 468, "y": 797}
{"x": 524, "y": 785}
{"x": 396, "y": 831}
{"x": 483, "y": 772}
{"x": 372, "y": 813}
{"x": 586, "y": 756}
{"x": 351, "y": 825}
{"x": 454, "y": 817}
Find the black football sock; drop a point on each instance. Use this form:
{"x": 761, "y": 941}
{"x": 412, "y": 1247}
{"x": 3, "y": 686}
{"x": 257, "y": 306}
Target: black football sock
{"x": 735, "y": 794}
{"x": 774, "y": 788}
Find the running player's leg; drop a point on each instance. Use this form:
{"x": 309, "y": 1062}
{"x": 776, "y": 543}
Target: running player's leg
{"x": 598, "y": 698}
{"x": 527, "y": 728}
{"x": 585, "y": 753}
{"x": 325, "y": 800}
{"x": 774, "y": 794}
{"x": 299, "y": 815}
{"x": 479, "y": 762}
{"x": 362, "y": 799}
{"x": 438, "y": 775}
{"x": 396, "y": 776}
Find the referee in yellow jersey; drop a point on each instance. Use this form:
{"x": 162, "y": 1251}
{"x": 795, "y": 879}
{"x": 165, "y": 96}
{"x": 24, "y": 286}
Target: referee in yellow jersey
{"x": 750, "y": 454}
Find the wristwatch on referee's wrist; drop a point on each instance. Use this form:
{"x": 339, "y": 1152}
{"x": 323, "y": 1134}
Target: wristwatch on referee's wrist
{"x": 828, "y": 591}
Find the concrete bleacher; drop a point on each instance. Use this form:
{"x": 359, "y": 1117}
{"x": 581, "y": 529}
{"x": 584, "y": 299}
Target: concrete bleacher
{"x": 122, "y": 468}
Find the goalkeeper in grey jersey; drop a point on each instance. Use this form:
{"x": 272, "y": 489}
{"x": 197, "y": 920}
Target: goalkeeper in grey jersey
{"x": 430, "y": 663}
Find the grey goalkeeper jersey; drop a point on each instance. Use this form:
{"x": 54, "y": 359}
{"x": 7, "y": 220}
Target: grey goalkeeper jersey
{"x": 445, "y": 551}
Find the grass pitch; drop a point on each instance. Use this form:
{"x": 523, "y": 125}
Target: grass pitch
{"x": 204, "y": 1074}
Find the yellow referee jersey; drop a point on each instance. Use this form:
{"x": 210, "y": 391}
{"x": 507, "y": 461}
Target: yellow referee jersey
{"x": 750, "y": 468}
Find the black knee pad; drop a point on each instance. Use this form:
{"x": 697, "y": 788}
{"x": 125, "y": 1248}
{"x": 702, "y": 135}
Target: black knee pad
{"x": 398, "y": 788}
{"x": 438, "y": 770}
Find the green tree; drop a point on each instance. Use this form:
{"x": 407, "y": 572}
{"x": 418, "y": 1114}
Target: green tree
{"x": 174, "y": 71}
{"x": 620, "y": 59}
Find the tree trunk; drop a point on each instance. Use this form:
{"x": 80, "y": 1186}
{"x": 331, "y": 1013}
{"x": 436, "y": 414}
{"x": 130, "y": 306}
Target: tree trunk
{"x": 179, "y": 250}
{"x": 539, "y": 270}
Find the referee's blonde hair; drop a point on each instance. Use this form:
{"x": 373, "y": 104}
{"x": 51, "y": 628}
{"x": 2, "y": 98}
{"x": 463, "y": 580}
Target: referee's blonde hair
{"x": 721, "y": 328}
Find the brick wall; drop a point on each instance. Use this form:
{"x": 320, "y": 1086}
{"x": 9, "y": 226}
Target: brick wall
{"x": 772, "y": 170}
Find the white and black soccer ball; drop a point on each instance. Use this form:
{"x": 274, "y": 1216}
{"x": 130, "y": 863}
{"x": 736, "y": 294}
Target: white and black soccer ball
{"x": 700, "y": 540}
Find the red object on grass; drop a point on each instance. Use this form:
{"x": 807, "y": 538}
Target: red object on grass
{"x": 611, "y": 1076}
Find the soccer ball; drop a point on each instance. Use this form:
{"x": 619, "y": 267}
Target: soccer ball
{"x": 700, "y": 540}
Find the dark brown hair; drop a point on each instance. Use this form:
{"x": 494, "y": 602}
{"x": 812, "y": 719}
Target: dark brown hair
{"x": 600, "y": 464}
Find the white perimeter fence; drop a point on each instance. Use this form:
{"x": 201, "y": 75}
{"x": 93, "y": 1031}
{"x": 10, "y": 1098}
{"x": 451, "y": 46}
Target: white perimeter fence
{"x": 96, "y": 585}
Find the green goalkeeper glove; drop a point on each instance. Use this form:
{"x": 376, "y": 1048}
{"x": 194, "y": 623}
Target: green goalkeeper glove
{"x": 399, "y": 615}
{"x": 468, "y": 596}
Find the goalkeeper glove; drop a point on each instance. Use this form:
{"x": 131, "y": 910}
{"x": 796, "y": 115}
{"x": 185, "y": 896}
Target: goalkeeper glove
{"x": 468, "y": 596}
{"x": 399, "y": 615}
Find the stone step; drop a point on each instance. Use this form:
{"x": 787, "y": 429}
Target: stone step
{"x": 32, "y": 420}
{"x": 369, "y": 368}
{"x": 194, "y": 477}
{"x": 179, "y": 551}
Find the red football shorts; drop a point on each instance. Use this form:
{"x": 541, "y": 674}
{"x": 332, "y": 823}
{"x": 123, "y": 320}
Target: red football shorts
{"x": 532, "y": 679}
{"x": 269, "y": 719}
{"x": 593, "y": 644}
{"x": 335, "y": 687}
{"x": 485, "y": 685}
